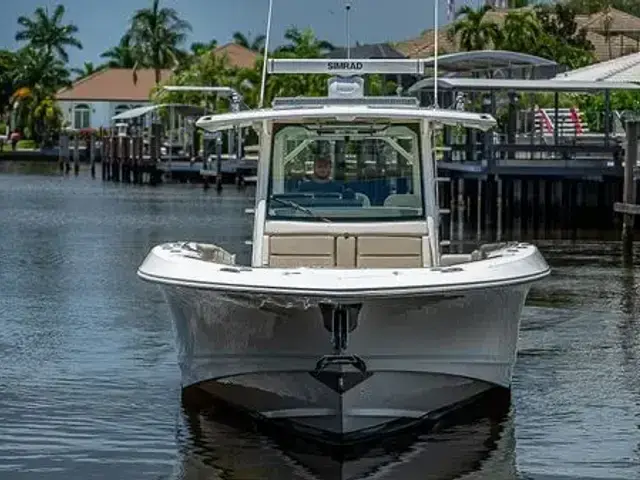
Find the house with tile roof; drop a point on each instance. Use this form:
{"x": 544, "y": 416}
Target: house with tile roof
{"x": 237, "y": 56}
{"x": 623, "y": 32}
{"x": 623, "y": 35}
{"x": 92, "y": 101}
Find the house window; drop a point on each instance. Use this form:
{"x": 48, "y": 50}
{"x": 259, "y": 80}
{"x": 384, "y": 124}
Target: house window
{"x": 81, "y": 117}
{"x": 121, "y": 109}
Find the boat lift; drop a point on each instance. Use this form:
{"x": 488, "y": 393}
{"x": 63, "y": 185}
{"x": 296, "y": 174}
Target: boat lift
{"x": 236, "y": 102}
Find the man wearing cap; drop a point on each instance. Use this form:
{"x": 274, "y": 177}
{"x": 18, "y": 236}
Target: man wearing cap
{"x": 321, "y": 180}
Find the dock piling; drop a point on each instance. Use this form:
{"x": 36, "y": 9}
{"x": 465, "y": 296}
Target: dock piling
{"x": 92, "y": 154}
{"x": 499, "y": 209}
{"x": 219, "y": 163}
{"x": 76, "y": 154}
{"x": 628, "y": 207}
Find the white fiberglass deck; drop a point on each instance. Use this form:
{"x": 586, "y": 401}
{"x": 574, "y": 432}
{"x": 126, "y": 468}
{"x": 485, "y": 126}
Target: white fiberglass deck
{"x": 173, "y": 264}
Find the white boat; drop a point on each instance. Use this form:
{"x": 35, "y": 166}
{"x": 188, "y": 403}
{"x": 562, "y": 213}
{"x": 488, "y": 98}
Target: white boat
{"x": 349, "y": 320}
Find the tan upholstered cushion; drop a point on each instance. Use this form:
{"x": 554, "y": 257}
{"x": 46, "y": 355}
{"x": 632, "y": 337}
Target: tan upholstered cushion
{"x": 302, "y": 251}
{"x": 302, "y": 245}
{"x": 389, "y": 246}
{"x": 389, "y": 252}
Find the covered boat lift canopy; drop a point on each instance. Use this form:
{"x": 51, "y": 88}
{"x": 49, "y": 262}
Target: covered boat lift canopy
{"x": 544, "y": 138}
{"x": 489, "y": 60}
{"x": 621, "y": 69}
{"x": 503, "y": 84}
{"x": 182, "y": 109}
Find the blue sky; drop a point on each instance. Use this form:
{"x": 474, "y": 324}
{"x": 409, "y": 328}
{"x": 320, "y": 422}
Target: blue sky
{"x": 102, "y": 22}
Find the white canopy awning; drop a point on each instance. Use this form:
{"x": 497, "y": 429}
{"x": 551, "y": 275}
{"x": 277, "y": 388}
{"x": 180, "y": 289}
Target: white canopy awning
{"x": 621, "y": 69}
{"x": 181, "y": 109}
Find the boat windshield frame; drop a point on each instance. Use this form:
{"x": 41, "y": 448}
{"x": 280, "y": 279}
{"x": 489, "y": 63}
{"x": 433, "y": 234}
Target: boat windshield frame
{"x": 347, "y": 206}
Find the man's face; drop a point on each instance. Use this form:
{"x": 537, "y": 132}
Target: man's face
{"x": 322, "y": 169}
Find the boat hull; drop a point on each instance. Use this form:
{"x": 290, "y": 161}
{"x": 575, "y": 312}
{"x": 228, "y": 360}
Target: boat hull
{"x": 422, "y": 355}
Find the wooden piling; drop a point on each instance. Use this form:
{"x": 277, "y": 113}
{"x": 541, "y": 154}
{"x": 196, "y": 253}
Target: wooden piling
{"x": 92, "y": 154}
{"x": 479, "y": 211}
{"x": 498, "y": 208}
{"x": 219, "y": 163}
{"x": 628, "y": 207}
{"x": 452, "y": 210}
{"x": 76, "y": 153}
{"x": 105, "y": 152}
{"x": 460, "y": 212}
{"x": 63, "y": 151}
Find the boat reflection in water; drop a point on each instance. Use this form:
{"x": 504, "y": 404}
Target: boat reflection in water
{"x": 472, "y": 444}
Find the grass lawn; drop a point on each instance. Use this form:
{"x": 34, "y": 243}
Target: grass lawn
{"x": 22, "y": 145}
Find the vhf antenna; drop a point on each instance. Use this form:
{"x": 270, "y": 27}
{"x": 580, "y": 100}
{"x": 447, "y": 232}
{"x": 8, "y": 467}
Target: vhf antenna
{"x": 263, "y": 82}
{"x": 347, "y": 8}
{"x": 435, "y": 54}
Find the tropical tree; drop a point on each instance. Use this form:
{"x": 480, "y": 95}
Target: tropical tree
{"x": 563, "y": 41}
{"x": 124, "y": 55}
{"x": 521, "y": 32}
{"x": 475, "y": 31}
{"x": 256, "y": 44}
{"x": 215, "y": 70}
{"x": 304, "y": 44}
{"x": 518, "y": 3}
{"x": 157, "y": 33}
{"x": 37, "y": 76}
{"x": 48, "y": 32}
{"x": 206, "y": 70}
{"x": 198, "y": 48}
{"x": 88, "y": 68}
{"x": 7, "y": 83}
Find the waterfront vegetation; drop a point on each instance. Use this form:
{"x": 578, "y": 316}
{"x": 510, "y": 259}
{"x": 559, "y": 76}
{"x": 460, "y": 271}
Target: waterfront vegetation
{"x": 158, "y": 38}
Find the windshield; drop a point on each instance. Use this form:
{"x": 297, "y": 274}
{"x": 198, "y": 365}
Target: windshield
{"x": 346, "y": 172}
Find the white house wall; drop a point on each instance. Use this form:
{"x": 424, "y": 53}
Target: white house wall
{"x": 101, "y": 112}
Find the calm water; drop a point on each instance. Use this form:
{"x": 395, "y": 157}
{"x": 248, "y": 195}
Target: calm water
{"x": 89, "y": 386}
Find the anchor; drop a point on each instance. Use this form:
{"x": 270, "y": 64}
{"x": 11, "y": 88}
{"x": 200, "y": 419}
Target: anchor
{"x": 340, "y": 320}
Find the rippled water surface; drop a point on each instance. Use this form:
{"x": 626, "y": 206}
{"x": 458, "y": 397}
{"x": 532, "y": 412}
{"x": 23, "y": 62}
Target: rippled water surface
{"x": 89, "y": 386}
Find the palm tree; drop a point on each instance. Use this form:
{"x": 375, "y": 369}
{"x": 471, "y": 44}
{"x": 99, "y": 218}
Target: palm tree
{"x": 157, "y": 34}
{"x": 121, "y": 56}
{"x": 205, "y": 70}
{"x": 37, "y": 76}
{"x": 521, "y": 32}
{"x": 256, "y": 44}
{"x": 476, "y": 32}
{"x": 8, "y": 62}
{"x": 518, "y": 3}
{"x": 87, "y": 69}
{"x": 47, "y": 32}
{"x": 198, "y": 48}
{"x": 39, "y": 69}
{"x": 304, "y": 44}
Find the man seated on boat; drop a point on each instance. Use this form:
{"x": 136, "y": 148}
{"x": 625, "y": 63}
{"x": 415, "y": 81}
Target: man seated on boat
{"x": 321, "y": 180}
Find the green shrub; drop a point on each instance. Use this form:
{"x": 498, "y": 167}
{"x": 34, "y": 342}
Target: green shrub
{"x": 27, "y": 144}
